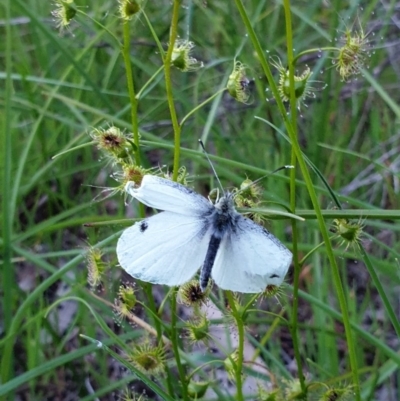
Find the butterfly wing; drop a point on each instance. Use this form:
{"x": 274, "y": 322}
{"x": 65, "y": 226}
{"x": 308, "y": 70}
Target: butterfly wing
{"x": 250, "y": 258}
{"x": 168, "y": 195}
{"x": 167, "y": 248}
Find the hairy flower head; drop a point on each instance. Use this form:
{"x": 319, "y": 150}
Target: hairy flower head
{"x": 338, "y": 394}
{"x": 95, "y": 266}
{"x": 132, "y": 173}
{"x": 238, "y": 83}
{"x": 269, "y": 395}
{"x": 190, "y": 294}
{"x": 64, "y": 12}
{"x": 302, "y": 84}
{"x": 114, "y": 143}
{"x": 198, "y": 329}
{"x": 197, "y": 389}
{"x": 181, "y": 57}
{"x": 293, "y": 390}
{"x": 348, "y": 232}
{"x": 230, "y": 364}
{"x": 148, "y": 358}
{"x": 272, "y": 290}
{"x": 129, "y": 8}
{"x": 353, "y": 53}
{"x": 248, "y": 197}
{"x": 125, "y": 301}
{"x": 323, "y": 392}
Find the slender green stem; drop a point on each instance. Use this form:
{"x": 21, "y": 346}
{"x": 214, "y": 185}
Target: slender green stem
{"x": 149, "y": 81}
{"x": 83, "y": 145}
{"x": 301, "y": 263}
{"x": 351, "y": 214}
{"x": 168, "y": 87}
{"x": 152, "y": 306}
{"x": 239, "y": 362}
{"x": 155, "y": 37}
{"x": 297, "y": 267}
{"x": 314, "y": 200}
{"x": 175, "y": 346}
{"x": 389, "y": 310}
{"x": 198, "y": 107}
{"x": 8, "y": 280}
{"x": 100, "y": 25}
{"x": 177, "y": 146}
{"x": 272, "y": 326}
{"x": 314, "y": 50}
{"x": 335, "y": 268}
{"x": 131, "y": 90}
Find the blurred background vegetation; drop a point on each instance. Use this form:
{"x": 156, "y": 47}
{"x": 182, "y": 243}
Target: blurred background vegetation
{"x": 57, "y": 87}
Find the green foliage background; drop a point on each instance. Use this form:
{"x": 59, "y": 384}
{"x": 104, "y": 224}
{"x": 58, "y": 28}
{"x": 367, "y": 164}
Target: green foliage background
{"x": 56, "y": 88}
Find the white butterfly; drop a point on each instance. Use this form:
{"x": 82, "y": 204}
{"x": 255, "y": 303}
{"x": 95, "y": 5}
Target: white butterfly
{"x": 193, "y": 233}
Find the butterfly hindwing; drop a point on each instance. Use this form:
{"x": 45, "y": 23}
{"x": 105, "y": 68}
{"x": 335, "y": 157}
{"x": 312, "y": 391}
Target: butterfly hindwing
{"x": 250, "y": 258}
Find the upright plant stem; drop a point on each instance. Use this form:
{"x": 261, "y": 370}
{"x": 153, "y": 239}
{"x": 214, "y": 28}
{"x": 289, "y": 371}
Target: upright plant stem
{"x": 131, "y": 90}
{"x": 175, "y": 346}
{"x": 8, "y": 281}
{"x": 297, "y": 267}
{"x": 177, "y": 147}
{"x": 168, "y": 87}
{"x": 311, "y": 191}
{"x": 240, "y": 349}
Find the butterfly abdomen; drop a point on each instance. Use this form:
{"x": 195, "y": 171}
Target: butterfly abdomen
{"x": 212, "y": 250}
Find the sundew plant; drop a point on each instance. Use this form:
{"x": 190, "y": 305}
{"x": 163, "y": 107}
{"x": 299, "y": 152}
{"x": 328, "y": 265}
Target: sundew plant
{"x": 97, "y": 95}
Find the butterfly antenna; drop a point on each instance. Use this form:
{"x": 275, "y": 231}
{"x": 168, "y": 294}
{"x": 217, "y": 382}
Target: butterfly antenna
{"x": 264, "y": 176}
{"x": 212, "y": 167}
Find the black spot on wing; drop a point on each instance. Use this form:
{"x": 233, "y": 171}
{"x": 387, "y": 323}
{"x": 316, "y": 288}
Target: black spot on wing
{"x": 273, "y": 276}
{"x": 143, "y": 225}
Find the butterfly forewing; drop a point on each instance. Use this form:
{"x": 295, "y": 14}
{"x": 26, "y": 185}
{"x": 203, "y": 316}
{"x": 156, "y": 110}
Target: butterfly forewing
{"x": 163, "y": 194}
{"x": 167, "y": 248}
